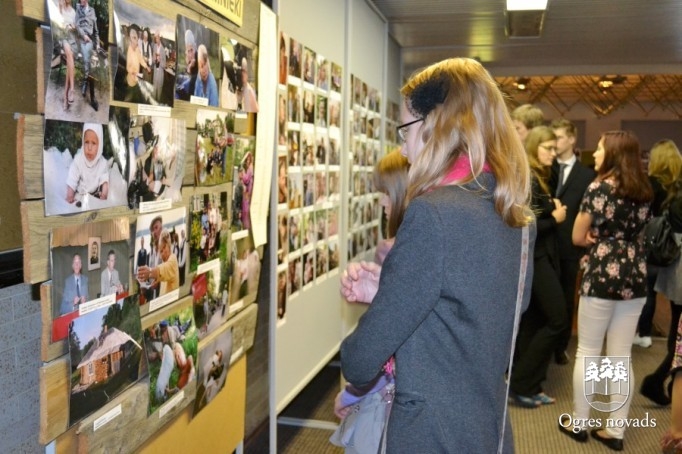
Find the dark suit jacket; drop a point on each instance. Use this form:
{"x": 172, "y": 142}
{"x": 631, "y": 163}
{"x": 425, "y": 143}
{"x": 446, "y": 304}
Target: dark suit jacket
{"x": 70, "y": 293}
{"x": 571, "y": 195}
{"x": 445, "y": 309}
{"x": 142, "y": 258}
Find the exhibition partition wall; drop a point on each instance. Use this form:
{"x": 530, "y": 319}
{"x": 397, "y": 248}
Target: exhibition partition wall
{"x": 347, "y": 41}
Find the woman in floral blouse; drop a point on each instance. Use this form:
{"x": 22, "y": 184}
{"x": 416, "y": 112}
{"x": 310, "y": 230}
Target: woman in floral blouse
{"x": 613, "y": 212}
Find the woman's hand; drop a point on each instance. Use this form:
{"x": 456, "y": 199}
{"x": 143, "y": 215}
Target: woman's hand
{"x": 360, "y": 281}
{"x": 559, "y": 212}
{"x": 339, "y": 411}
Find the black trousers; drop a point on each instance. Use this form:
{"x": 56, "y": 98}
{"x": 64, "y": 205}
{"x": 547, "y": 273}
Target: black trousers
{"x": 661, "y": 372}
{"x": 540, "y": 330}
{"x": 568, "y": 278}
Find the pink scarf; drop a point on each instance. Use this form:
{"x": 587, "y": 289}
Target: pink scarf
{"x": 461, "y": 169}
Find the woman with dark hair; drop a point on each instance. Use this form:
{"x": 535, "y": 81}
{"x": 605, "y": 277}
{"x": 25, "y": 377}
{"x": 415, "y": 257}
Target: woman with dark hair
{"x": 613, "y": 212}
{"x": 546, "y": 318}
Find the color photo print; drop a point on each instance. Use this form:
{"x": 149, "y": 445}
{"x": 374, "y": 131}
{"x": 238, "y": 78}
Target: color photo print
{"x": 171, "y": 350}
{"x": 73, "y": 285}
{"x": 83, "y": 169}
{"x": 209, "y": 234}
{"x": 238, "y": 74}
{"x": 159, "y": 146}
{"x": 78, "y": 87}
{"x": 246, "y": 270}
{"x": 199, "y": 63}
{"x": 212, "y": 367}
{"x": 211, "y": 300}
{"x": 157, "y": 246}
{"x": 214, "y": 151}
{"x": 243, "y": 174}
{"x": 105, "y": 349}
{"x": 145, "y": 71}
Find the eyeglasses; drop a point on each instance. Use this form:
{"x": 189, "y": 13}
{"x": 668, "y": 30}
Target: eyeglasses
{"x": 554, "y": 149}
{"x": 402, "y": 129}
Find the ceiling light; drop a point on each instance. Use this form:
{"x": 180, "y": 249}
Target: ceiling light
{"x": 526, "y": 5}
{"x": 521, "y": 83}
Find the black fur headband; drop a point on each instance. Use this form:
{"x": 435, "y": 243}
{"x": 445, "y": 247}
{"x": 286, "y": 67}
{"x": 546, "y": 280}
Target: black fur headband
{"x": 427, "y": 95}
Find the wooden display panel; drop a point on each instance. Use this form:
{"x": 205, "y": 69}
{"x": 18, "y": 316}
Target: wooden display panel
{"x": 54, "y": 392}
{"x": 219, "y": 426}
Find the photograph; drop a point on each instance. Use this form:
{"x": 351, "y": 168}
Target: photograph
{"x": 294, "y": 59}
{"x": 159, "y": 164}
{"x": 247, "y": 267}
{"x": 171, "y": 349}
{"x": 211, "y": 299}
{"x": 145, "y": 70}
{"x": 238, "y": 76}
{"x": 283, "y": 58}
{"x": 105, "y": 351}
{"x": 336, "y": 78}
{"x": 78, "y": 87}
{"x": 199, "y": 62}
{"x": 160, "y": 235}
{"x": 73, "y": 283}
{"x": 212, "y": 367}
{"x": 82, "y": 169}
{"x": 214, "y": 150}
{"x": 281, "y": 294}
{"x": 209, "y": 235}
{"x": 242, "y": 182}
{"x": 94, "y": 246}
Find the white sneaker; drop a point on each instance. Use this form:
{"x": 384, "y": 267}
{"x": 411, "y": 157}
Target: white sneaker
{"x": 644, "y": 342}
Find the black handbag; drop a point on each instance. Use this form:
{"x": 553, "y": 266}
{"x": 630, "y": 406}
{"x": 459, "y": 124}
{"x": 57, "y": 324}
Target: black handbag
{"x": 659, "y": 240}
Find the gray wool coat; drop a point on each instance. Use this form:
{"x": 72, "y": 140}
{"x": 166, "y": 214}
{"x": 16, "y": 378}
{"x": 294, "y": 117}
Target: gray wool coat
{"x": 445, "y": 309}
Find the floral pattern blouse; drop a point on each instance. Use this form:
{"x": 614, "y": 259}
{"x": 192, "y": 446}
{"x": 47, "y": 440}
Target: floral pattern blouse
{"x": 615, "y": 268}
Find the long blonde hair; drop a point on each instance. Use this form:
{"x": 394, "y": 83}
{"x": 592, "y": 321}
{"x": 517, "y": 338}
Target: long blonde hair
{"x": 464, "y": 113}
{"x": 390, "y": 177}
{"x": 536, "y": 136}
{"x": 665, "y": 163}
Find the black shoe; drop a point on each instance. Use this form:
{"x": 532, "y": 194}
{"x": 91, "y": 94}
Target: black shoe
{"x": 94, "y": 104}
{"x": 653, "y": 390}
{"x": 614, "y": 444}
{"x": 580, "y": 436}
{"x": 561, "y": 358}
{"x": 84, "y": 87}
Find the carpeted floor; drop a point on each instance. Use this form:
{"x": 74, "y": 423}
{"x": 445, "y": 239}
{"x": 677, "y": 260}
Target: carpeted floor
{"x": 535, "y": 430}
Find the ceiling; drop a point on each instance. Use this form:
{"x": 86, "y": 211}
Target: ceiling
{"x": 581, "y": 41}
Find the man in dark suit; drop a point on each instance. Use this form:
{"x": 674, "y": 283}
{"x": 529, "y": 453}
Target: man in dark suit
{"x": 142, "y": 256}
{"x": 570, "y": 180}
{"x": 75, "y": 288}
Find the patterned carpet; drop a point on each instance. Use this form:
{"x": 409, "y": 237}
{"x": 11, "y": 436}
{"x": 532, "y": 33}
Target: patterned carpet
{"x": 535, "y": 430}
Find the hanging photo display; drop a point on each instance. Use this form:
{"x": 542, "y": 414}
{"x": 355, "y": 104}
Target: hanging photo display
{"x": 214, "y": 158}
{"x": 78, "y": 86}
{"x": 145, "y": 70}
{"x": 76, "y": 281}
{"x": 159, "y": 144}
{"x": 308, "y": 168}
{"x": 212, "y": 367}
{"x": 364, "y": 211}
{"x": 199, "y": 63}
{"x": 159, "y": 235}
{"x": 171, "y": 350}
{"x": 105, "y": 352}
{"x": 83, "y": 169}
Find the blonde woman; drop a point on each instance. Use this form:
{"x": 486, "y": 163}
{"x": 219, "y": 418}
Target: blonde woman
{"x": 434, "y": 308}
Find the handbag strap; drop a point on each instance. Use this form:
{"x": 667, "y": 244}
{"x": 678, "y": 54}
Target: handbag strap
{"x": 517, "y": 314}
